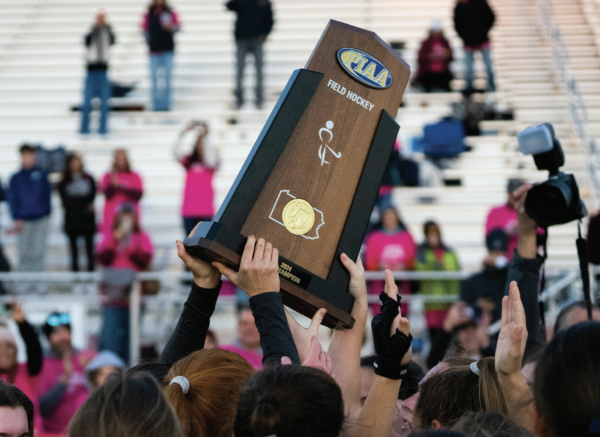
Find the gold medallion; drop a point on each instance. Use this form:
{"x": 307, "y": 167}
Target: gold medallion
{"x": 298, "y": 216}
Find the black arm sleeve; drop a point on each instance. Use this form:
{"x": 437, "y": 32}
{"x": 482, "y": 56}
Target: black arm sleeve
{"x": 439, "y": 346}
{"x": 275, "y": 336}
{"x": 190, "y": 332}
{"x": 526, "y": 272}
{"x": 32, "y": 346}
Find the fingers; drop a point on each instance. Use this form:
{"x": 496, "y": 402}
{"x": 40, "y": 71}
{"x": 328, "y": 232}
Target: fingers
{"x": 226, "y": 271}
{"x": 523, "y": 189}
{"x": 194, "y": 230}
{"x": 315, "y": 347}
{"x": 404, "y": 326}
{"x": 518, "y": 310}
{"x": 259, "y": 250}
{"x": 182, "y": 253}
{"x": 504, "y": 319}
{"x": 248, "y": 251}
{"x": 350, "y": 265}
{"x": 317, "y": 320}
{"x": 268, "y": 255}
{"x": 275, "y": 256}
{"x": 286, "y": 361}
{"x": 391, "y": 289}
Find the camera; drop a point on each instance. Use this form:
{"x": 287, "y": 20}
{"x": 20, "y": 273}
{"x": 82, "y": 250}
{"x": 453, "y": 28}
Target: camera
{"x": 555, "y": 201}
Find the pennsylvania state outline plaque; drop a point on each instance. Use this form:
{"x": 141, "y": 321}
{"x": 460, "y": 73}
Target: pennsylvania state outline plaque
{"x": 311, "y": 181}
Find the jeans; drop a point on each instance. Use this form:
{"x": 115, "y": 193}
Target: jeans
{"x": 32, "y": 245}
{"x": 161, "y": 65}
{"x": 245, "y": 46}
{"x": 96, "y": 85}
{"x": 89, "y": 250}
{"x": 114, "y": 335}
{"x": 489, "y": 67}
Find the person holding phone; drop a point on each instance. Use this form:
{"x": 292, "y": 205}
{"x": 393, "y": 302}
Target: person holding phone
{"x": 123, "y": 251}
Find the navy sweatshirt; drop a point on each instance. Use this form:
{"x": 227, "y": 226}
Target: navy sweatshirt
{"x": 29, "y": 194}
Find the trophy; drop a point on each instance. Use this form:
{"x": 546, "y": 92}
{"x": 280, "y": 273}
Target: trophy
{"x": 311, "y": 181}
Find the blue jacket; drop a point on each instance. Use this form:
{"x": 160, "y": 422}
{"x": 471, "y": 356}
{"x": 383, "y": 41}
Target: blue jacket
{"x": 29, "y": 194}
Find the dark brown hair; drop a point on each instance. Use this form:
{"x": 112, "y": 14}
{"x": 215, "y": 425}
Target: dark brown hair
{"x": 290, "y": 401}
{"x": 485, "y": 424}
{"x": 216, "y": 378}
{"x": 126, "y": 406}
{"x": 12, "y": 397}
{"x": 114, "y": 164}
{"x": 26, "y": 148}
{"x": 448, "y": 395}
{"x": 566, "y": 387}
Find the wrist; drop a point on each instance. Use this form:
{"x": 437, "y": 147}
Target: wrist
{"x": 207, "y": 281}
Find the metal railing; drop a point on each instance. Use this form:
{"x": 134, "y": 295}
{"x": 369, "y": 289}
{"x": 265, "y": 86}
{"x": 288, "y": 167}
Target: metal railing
{"x": 577, "y": 114}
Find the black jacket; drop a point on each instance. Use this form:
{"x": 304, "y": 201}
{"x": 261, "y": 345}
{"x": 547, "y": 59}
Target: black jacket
{"x": 93, "y": 40}
{"x": 159, "y": 39}
{"x": 78, "y": 202}
{"x": 489, "y": 283}
{"x": 254, "y": 18}
{"x": 473, "y": 21}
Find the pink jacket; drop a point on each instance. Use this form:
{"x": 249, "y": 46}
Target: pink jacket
{"x": 198, "y": 195}
{"x": 135, "y": 253}
{"x": 389, "y": 251}
{"x": 128, "y": 190}
{"x": 29, "y": 385}
{"x": 252, "y": 357}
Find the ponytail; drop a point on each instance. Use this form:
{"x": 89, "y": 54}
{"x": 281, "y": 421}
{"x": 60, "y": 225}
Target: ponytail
{"x": 490, "y": 393}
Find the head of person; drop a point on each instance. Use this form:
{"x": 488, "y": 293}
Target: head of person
{"x": 432, "y": 233}
{"x": 156, "y": 369}
{"x": 159, "y": 2}
{"x": 246, "y": 330}
{"x": 436, "y": 29}
{"x": 497, "y": 245}
{"x": 16, "y": 412}
{"x": 485, "y": 424}
{"x": 121, "y": 161}
{"x": 204, "y": 389}
{"x": 466, "y": 336}
{"x": 448, "y": 395}
{"x": 566, "y": 388}
{"x": 126, "y": 406}
{"x": 8, "y": 350}
{"x": 27, "y": 156}
{"x": 102, "y": 365}
{"x": 512, "y": 186}
{"x": 292, "y": 401}
{"x": 73, "y": 166}
{"x": 126, "y": 218}
{"x": 101, "y": 18}
{"x": 57, "y": 330}
{"x": 390, "y": 219}
{"x": 574, "y": 313}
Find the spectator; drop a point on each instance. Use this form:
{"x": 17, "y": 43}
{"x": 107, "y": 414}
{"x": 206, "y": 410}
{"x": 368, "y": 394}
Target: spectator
{"x": 389, "y": 246}
{"x": 473, "y": 19}
{"x": 574, "y": 314}
{"x": 160, "y": 25}
{"x": 16, "y": 412}
{"x": 200, "y": 166}
{"x": 247, "y": 342}
{"x": 103, "y": 365}
{"x": 62, "y": 384}
{"x": 23, "y": 375}
{"x": 127, "y": 406}
{"x": 120, "y": 185}
{"x": 122, "y": 252}
{"x": 253, "y": 25}
{"x": 489, "y": 424}
{"x": 435, "y": 56}
{"x": 77, "y": 190}
{"x": 98, "y": 42}
{"x": 4, "y": 265}
{"x": 434, "y": 256}
{"x": 204, "y": 389}
{"x": 29, "y": 196}
{"x": 486, "y": 288}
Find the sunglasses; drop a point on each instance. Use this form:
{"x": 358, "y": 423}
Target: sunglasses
{"x": 59, "y": 319}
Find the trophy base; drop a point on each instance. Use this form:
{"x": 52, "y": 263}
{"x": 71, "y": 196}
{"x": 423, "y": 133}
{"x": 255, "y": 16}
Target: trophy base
{"x": 212, "y": 242}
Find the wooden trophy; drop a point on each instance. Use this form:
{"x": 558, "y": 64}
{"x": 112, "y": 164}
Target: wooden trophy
{"x": 310, "y": 183}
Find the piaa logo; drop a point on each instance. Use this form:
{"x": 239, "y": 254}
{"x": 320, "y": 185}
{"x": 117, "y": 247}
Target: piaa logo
{"x": 364, "y": 68}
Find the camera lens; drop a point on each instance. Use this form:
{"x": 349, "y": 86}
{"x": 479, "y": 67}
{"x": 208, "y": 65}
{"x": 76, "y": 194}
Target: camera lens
{"x": 547, "y": 203}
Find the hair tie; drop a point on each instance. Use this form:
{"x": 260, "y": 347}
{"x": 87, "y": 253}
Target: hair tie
{"x": 594, "y": 426}
{"x": 474, "y": 368}
{"x": 183, "y": 382}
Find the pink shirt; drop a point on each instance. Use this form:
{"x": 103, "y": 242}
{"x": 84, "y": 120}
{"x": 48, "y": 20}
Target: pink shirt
{"x": 254, "y": 358}
{"x": 129, "y": 190}
{"x": 125, "y": 252}
{"x": 198, "y": 195}
{"x": 29, "y": 385}
{"x": 75, "y": 395}
{"x": 389, "y": 251}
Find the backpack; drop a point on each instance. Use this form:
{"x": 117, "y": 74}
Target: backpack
{"x": 444, "y": 139}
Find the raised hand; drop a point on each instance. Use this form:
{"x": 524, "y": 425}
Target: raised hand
{"x": 303, "y": 336}
{"x": 259, "y": 268}
{"x": 205, "y": 275}
{"x": 513, "y": 335}
{"x": 317, "y": 358}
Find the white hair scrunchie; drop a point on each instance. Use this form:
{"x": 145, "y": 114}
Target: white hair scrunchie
{"x": 474, "y": 368}
{"x": 183, "y": 382}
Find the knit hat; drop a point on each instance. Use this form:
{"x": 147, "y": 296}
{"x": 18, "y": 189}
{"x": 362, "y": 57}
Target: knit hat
{"x": 104, "y": 358}
{"x": 436, "y": 25}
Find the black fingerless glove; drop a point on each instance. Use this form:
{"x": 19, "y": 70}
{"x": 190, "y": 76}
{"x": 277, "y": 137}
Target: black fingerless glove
{"x": 389, "y": 350}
